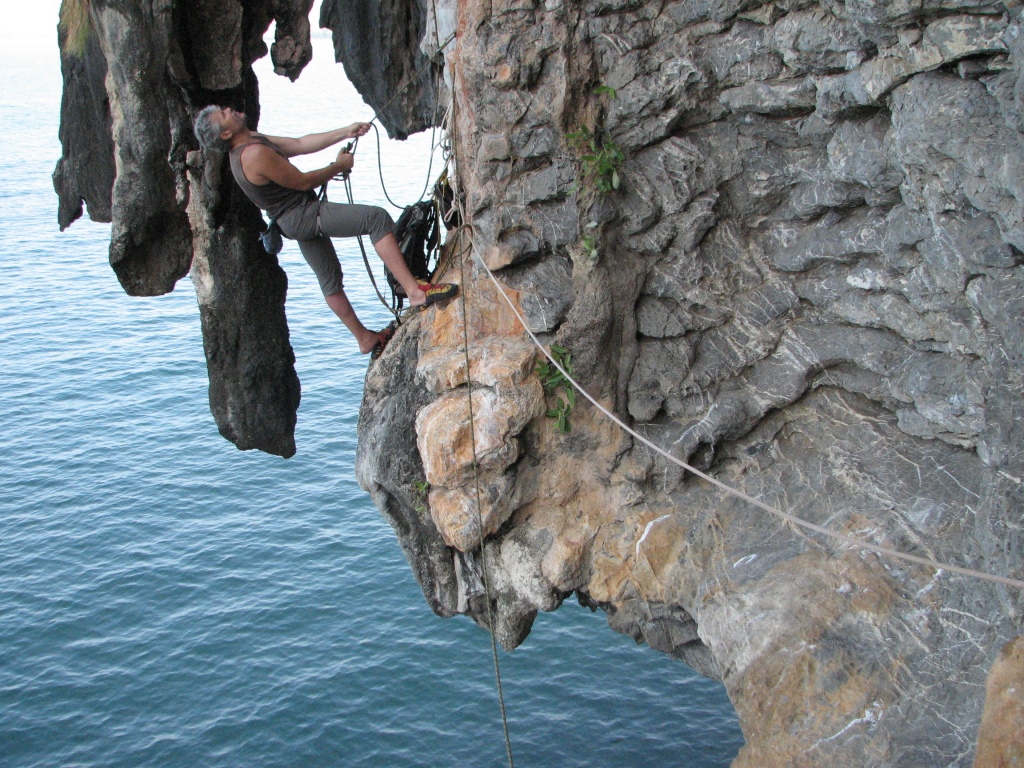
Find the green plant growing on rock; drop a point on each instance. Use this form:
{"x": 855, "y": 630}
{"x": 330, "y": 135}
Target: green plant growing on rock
{"x": 75, "y": 25}
{"x": 600, "y": 158}
{"x": 556, "y": 385}
{"x": 589, "y": 243}
{"x": 600, "y": 162}
{"x": 421, "y": 489}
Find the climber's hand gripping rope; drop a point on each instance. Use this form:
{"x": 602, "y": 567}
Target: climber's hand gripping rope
{"x": 348, "y": 149}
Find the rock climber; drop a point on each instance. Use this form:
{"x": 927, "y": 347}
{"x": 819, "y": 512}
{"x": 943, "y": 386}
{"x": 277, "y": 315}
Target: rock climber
{"x": 261, "y": 167}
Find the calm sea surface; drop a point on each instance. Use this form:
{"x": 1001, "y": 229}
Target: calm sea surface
{"x": 167, "y": 600}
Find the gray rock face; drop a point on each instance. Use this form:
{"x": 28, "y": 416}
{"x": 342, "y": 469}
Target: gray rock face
{"x": 807, "y": 283}
{"x": 85, "y": 172}
{"x": 254, "y": 391}
{"x": 150, "y": 242}
{"x": 378, "y": 42}
{"x": 547, "y": 292}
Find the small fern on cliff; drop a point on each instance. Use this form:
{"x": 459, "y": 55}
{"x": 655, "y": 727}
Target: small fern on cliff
{"x": 75, "y": 26}
{"x": 600, "y": 158}
{"x": 421, "y": 491}
{"x": 557, "y": 386}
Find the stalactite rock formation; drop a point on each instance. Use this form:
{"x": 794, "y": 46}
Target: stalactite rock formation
{"x": 135, "y": 75}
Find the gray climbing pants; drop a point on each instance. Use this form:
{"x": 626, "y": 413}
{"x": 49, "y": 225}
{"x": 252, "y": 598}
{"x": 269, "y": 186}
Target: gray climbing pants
{"x": 314, "y": 225}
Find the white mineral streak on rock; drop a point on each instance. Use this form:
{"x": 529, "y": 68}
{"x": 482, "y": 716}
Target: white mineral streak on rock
{"x": 647, "y": 530}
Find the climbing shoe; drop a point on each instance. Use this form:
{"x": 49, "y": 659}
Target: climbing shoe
{"x": 438, "y": 291}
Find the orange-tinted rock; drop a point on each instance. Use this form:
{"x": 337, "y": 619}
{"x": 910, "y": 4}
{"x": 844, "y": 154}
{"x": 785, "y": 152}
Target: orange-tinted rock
{"x": 492, "y": 361}
{"x": 1001, "y": 737}
{"x": 443, "y": 430}
{"x": 454, "y": 510}
{"x": 489, "y": 315}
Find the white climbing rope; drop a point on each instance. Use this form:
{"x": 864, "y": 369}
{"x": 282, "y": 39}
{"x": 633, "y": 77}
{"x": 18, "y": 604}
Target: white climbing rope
{"x": 792, "y": 519}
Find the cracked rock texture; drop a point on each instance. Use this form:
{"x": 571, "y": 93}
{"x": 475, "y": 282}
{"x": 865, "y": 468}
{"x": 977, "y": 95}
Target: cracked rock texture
{"x": 810, "y": 284}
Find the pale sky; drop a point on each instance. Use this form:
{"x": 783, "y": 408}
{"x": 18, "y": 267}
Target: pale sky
{"x": 31, "y": 21}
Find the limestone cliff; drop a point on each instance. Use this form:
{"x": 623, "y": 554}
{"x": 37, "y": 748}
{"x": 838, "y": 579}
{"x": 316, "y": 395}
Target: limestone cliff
{"x": 781, "y": 239}
{"x": 808, "y": 281}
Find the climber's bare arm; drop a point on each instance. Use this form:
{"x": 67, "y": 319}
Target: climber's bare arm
{"x": 314, "y": 142}
{"x": 261, "y": 164}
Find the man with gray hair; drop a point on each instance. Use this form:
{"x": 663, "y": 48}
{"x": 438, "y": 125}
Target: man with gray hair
{"x": 261, "y": 168}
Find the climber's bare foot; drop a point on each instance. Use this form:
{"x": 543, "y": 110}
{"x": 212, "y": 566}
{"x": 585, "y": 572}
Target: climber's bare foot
{"x": 372, "y": 339}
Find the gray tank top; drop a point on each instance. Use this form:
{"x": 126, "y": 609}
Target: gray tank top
{"x": 271, "y": 197}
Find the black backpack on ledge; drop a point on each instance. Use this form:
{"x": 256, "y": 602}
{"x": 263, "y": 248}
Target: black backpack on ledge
{"x": 418, "y": 233}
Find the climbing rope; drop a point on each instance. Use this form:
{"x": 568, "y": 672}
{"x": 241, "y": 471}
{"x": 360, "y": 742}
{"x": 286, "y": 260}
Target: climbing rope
{"x": 792, "y": 519}
{"x": 380, "y": 171}
{"x": 479, "y": 514}
{"x": 469, "y": 378}
{"x": 346, "y": 177}
{"x": 430, "y": 166}
{"x": 362, "y": 249}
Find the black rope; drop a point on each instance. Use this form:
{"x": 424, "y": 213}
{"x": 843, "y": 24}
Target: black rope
{"x": 479, "y": 514}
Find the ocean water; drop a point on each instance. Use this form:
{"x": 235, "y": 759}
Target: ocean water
{"x": 167, "y": 600}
